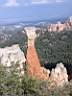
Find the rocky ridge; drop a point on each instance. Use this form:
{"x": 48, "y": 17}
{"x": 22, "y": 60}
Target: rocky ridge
{"x": 59, "y": 26}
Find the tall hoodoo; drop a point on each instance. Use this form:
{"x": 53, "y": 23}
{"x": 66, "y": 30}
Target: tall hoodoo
{"x": 58, "y": 76}
{"x": 34, "y": 68}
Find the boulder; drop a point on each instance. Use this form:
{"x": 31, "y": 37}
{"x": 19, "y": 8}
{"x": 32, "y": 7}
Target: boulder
{"x": 12, "y": 55}
{"x": 59, "y": 75}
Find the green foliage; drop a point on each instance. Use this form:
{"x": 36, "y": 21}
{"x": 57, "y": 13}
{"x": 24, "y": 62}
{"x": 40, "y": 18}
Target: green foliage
{"x": 14, "y": 37}
{"x": 29, "y": 86}
{"x": 11, "y": 85}
{"x": 9, "y": 81}
{"x": 54, "y": 47}
{"x": 62, "y": 91}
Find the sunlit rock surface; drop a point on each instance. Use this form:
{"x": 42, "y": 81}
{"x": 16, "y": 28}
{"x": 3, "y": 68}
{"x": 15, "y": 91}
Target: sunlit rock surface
{"x": 30, "y": 31}
{"x": 12, "y": 55}
{"x": 68, "y": 24}
{"x": 58, "y": 27}
{"x": 33, "y": 64}
{"x": 59, "y": 75}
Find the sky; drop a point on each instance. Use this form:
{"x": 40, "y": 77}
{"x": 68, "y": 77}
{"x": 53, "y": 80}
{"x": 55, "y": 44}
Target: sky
{"x": 32, "y": 10}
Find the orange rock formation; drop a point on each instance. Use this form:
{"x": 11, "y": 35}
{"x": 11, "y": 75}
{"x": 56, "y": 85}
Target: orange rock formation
{"x": 33, "y": 65}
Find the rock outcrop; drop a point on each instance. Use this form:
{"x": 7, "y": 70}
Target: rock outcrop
{"x": 59, "y": 75}
{"x": 68, "y": 24}
{"x": 33, "y": 65}
{"x": 12, "y": 55}
{"x": 58, "y": 27}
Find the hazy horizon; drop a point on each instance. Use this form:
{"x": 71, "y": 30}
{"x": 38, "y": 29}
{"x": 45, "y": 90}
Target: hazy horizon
{"x": 32, "y": 10}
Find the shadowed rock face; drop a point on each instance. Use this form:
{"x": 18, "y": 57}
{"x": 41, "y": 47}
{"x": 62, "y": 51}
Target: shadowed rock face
{"x": 12, "y": 55}
{"x": 34, "y": 68}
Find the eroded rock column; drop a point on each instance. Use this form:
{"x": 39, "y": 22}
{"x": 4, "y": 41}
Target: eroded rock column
{"x": 33, "y": 65}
